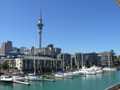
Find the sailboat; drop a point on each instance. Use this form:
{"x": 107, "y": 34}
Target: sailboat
{"x": 76, "y": 72}
{"x": 86, "y": 71}
{"x": 98, "y": 70}
{"x": 33, "y": 76}
{"x": 63, "y": 74}
{"x": 6, "y": 78}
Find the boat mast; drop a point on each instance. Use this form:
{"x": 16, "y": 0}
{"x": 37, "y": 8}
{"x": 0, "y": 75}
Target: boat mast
{"x": 109, "y": 60}
{"x": 78, "y": 65}
{"x": 34, "y": 61}
{"x": 82, "y": 59}
{"x": 63, "y": 62}
{"x": 71, "y": 64}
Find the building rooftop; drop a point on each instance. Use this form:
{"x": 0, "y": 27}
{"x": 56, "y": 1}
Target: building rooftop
{"x": 40, "y": 58}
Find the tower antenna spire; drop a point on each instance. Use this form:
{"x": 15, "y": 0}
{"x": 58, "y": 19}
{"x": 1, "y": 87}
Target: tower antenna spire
{"x": 40, "y": 13}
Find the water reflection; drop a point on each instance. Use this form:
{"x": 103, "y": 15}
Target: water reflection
{"x": 7, "y": 86}
{"x": 92, "y": 77}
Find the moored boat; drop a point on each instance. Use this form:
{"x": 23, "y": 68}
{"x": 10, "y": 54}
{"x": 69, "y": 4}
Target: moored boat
{"x": 6, "y": 78}
{"x": 109, "y": 69}
{"x": 98, "y": 70}
{"x": 32, "y": 77}
{"x": 87, "y": 71}
{"x": 63, "y": 75}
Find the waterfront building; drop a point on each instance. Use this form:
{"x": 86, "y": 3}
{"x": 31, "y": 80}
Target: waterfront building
{"x": 29, "y": 64}
{"x": 66, "y": 60}
{"x": 18, "y": 62}
{"x": 106, "y": 58}
{"x": 49, "y": 51}
{"x": 45, "y": 60}
{"x": 78, "y": 60}
{"x": 91, "y": 59}
{"x": 24, "y": 51}
{"x": 43, "y": 64}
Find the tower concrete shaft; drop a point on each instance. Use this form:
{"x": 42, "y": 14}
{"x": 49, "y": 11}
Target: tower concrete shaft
{"x": 40, "y": 39}
{"x": 40, "y": 29}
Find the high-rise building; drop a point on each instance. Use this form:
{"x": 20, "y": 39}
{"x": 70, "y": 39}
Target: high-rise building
{"x": 6, "y": 48}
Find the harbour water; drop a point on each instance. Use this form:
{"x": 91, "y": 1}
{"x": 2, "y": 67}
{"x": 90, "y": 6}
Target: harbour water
{"x": 93, "y": 82}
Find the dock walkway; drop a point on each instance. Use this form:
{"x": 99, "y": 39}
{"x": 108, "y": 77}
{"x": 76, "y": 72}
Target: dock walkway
{"x": 21, "y": 82}
{"x": 114, "y": 87}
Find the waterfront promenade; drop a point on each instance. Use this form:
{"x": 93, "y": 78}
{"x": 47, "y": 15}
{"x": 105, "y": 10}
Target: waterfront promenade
{"x": 92, "y": 82}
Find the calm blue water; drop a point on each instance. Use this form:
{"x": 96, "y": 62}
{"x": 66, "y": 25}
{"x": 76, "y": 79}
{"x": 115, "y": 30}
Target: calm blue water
{"x": 98, "y": 82}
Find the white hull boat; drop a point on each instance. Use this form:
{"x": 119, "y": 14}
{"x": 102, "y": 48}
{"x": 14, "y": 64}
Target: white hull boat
{"x": 5, "y": 78}
{"x": 32, "y": 77}
{"x": 63, "y": 75}
{"x": 98, "y": 70}
{"x": 13, "y": 79}
{"x": 87, "y": 71}
{"x": 109, "y": 69}
{"x": 76, "y": 72}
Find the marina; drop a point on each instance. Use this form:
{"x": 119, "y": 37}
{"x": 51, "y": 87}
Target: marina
{"x": 90, "y": 82}
{"x": 70, "y": 45}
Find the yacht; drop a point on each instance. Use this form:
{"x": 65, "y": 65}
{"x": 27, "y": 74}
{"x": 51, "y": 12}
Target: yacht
{"x": 6, "y": 78}
{"x": 109, "y": 69}
{"x": 90, "y": 72}
{"x": 77, "y": 72}
{"x": 98, "y": 70}
{"x": 63, "y": 75}
{"x": 85, "y": 70}
{"x": 13, "y": 79}
{"x": 32, "y": 77}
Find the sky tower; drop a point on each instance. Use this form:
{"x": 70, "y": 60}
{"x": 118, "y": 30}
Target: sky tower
{"x": 40, "y": 29}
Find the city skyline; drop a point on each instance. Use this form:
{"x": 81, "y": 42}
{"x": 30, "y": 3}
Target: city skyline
{"x": 79, "y": 26}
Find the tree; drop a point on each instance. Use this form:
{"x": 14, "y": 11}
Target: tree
{"x": 5, "y": 65}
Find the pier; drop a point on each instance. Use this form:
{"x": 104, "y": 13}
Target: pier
{"x": 114, "y": 87}
{"x": 13, "y": 79}
{"x": 21, "y": 82}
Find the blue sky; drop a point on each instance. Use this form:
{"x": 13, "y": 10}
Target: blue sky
{"x": 73, "y": 25}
